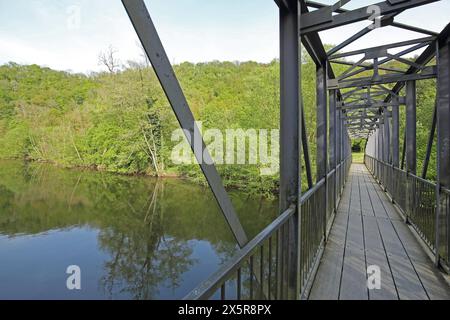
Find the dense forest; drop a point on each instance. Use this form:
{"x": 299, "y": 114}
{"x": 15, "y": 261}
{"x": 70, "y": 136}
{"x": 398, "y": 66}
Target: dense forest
{"x": 120, "y": 121}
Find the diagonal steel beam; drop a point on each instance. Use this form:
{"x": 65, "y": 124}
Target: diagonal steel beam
{"x": 318, "y": 5}
{"x": 323, "y": 19}
{"x": 385, "y": 20}
{"x": 430, "y": 142}
{"x": 148, "y": 35}
{"x": 383, "y": 48}
{"x": 428, "y": 73}
{"x": 404, "y": 52}
{"x": 423, "y": 59}
{"x": 367, "y": 66}
{"x": 405, "y": 61}
{"x": 305, "y": 147}
{"x": 348, "y": 73}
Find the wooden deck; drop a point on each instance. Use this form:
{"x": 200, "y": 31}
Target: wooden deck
{"x": 368, "y": 231}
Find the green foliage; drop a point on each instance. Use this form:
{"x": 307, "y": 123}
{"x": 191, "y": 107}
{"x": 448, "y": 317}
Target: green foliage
{"x": 123, "y": 122}
{"x": 358, "y": 157}
{"x": 358, "y": 145}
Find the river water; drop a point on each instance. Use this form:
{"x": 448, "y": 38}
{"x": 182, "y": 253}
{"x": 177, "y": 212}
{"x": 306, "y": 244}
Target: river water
{"x": 131, "y": 237}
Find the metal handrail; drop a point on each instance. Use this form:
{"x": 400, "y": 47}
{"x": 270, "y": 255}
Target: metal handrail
{"x": 432, "y": 184}
{"x": 312, "y": 191}
{"x": 330, "y": 174}
{"x": 418, "y": 202}
{"x": 404, "y": 171}
{"x": 219, "y": 279}
{"x": 207, "y": 288}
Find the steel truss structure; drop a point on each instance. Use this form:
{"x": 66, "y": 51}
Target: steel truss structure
{"x": 361, "y": 102}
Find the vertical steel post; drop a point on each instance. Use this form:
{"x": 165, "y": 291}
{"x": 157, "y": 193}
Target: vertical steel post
{"x": 374, "y": 146}
{"x": 395, "y": 139}
{"x": 342, "y": 151}
{"x": 339, "y": 146}
{"x": 322, "y": 135}
{"x": 443, "y": 148}
{"x": 411, "y": 148}
{"x": 290, "y": 129}
{"x": 382, "y": 144}
{"x": 387, "y": 137}
{"x": 379, "y": 153}
{"x": 395, "y": 159}
{"x": 332, "y": 135}
{"x": 380, "y": 150}
{"x": 411, "y": 152}
{"x": 387, "y": 141}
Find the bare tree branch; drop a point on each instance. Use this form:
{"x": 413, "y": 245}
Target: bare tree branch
{"x": 108, "y": 59}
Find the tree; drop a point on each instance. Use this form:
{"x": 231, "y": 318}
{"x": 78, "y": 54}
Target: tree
{"x": 108, "y": 59}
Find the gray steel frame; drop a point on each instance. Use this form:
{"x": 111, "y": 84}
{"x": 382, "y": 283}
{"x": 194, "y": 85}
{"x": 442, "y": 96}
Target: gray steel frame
{"x": 366, "y": 108}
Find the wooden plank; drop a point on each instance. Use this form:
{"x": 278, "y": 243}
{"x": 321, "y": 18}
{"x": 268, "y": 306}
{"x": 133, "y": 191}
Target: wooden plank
{"x": 355, "y": 237}
{"x": 406, "y": 280}
{"x": 354, "y": 279}
{"x": 339, "y": 229}
{"x": 372, "y": 235}
{"x": 326, "y": 284}
{"x": 384, "y": 201}
{"x": 377, "y": 206}
{"x": 388, "y": 289}
{"x": 375, "y": 251}
{"x": 368, "y": 231}
{"x": 328, "y": 278}
{"x": 432, "y": 280}
{"x": 412, "y": 246}
{"x": 354, "y": 276}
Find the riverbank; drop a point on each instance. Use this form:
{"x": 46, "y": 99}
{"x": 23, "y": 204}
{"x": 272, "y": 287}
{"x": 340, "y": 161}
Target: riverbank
{"x": 188, "y": 176}
{"x": 122, "y": 231}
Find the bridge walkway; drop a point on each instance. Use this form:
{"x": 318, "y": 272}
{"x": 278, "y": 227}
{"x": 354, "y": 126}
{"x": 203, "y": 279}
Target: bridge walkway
{"x": 368, "y": 231}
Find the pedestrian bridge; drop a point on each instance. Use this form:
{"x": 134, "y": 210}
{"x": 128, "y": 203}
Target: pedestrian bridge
{"x": 369, "y": 231}
{"x": 358, "y": 226}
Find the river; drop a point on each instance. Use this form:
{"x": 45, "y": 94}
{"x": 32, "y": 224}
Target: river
{"x": 131, "y": 237}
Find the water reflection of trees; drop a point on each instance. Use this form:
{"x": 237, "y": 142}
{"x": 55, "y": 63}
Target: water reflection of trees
{"x": 145, "y": 225}
{"x": 142, "y": 256}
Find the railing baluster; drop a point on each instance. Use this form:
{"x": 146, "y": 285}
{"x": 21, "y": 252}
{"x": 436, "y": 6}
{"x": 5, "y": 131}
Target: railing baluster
{"x": 313, "y": 220}
{"x": 269, "y": 277}
{"x": 261, "y": 271}
{"x": 283, "y": 265}
{"x": 222, "y": 292}
{"x": 238, "y": 284}
{"x": 277, "y": 266}
{"x": 251, "y": 277}
{"x": 419, "y": 204}
{"x": 288, "y": 258}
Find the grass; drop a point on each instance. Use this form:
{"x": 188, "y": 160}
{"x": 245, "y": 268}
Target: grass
{"x": 358, "y": 157}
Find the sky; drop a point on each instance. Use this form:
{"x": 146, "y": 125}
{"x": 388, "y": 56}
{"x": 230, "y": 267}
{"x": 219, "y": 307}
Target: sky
{"x": 70, "y": 34}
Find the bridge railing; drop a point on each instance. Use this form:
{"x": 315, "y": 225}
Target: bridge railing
{"x": 443, "y": 222}
{"x": 260, "y": 270}
{"x": 417, "y": 198}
